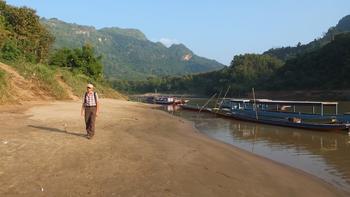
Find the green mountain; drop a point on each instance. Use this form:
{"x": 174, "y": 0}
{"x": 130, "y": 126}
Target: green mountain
{"x": 128, "y": 54}
{"x": 245, "y": 71}
{"x": 321, "y": 65}
{"x": 344, "y": 24}
{"x": 24, "y": 53}
{"x": 324, "y": 68}
{"x": 285, "y": 53}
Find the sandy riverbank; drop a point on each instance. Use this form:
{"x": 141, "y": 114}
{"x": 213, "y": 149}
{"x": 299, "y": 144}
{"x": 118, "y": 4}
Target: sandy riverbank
{"x": 137, "y": 151}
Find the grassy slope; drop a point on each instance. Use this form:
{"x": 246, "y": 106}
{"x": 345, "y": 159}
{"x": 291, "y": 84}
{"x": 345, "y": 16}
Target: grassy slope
{"x": 4, "y": 96}
{"x": 78, "y": 84}
{"x": 44, "y": 77}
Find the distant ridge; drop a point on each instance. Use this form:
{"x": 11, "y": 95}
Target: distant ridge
{"x": 285, "y": 53}
{"x": 128, "y": 54}
{"x": 318, "y": 70}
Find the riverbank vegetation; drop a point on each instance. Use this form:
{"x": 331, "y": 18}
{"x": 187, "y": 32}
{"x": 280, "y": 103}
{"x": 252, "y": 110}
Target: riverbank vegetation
{"x": 127, "y": 53}
{"x": 26, "y": 45}
{"x": 321, "y": 69}
{"x": 245, "y": 71}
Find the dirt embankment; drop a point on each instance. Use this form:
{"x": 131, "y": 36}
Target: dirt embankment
{"x": 21, "y": 89}
{"x": 43, "y": 84}
{"x": 137, "y": 151}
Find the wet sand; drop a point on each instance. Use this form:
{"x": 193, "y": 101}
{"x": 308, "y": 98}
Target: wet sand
{"x": 137, "y": 151}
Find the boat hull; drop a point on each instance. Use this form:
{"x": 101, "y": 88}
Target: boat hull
{"x": 280, "y": 122}
{"x": 164, "y": 103}
{"x": 301, "y": 125}
{"x": 195, "y": 108}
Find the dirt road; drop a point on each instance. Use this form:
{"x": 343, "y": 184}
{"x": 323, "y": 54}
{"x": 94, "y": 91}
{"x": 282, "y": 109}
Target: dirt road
{"x": 137, "y": 151}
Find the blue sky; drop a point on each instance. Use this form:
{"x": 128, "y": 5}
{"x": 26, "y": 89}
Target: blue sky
{"x": 217, "y": 29}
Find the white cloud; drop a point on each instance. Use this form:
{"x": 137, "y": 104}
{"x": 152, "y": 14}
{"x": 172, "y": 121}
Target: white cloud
{"x": 168, "y": 41}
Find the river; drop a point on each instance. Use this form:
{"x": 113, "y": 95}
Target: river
{"x": 322, "y": 154}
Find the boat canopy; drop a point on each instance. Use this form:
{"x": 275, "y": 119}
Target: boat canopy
{"x": 314, "y": 104}
{"x": 281, "y": 102}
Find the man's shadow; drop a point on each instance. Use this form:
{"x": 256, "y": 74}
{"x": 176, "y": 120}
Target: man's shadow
{"x": 57, "y": 130}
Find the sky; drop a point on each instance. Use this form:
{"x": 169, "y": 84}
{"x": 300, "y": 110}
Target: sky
{"x": 216, "y": 29}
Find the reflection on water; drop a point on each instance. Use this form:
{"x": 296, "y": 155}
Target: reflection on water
{"x": 171, "y": 108}
{"x": 323, "y": 154}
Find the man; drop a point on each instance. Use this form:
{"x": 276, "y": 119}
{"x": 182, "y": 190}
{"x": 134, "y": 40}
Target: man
{"x": 91, "y": 108}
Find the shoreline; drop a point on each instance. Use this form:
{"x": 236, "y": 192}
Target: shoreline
{"x": 137, "y": 150}
{"x": 228, "y": 145}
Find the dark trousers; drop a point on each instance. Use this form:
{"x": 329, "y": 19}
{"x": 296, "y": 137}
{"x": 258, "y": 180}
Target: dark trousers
{"x": 90, "y": 117}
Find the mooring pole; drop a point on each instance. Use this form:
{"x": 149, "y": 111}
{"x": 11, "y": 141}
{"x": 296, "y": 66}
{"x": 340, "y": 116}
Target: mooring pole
{"x": 256, "y": 109}
{"x": 207, "y": 102}
{"x": 224, "y": 96}
{"x": 217, "y": 100}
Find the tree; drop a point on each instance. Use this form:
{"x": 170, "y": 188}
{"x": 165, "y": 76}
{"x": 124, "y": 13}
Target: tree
{"x": 80, "y": 59}
{"x": 22, "y": 26}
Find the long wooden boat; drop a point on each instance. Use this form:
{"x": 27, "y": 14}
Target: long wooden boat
{"x": 196, "y": 108}
{"x": 168, "y": 100}
{"x": 164, "y": 100}
{"x": 290, "y": 123}
{"x": 243, "y": 109}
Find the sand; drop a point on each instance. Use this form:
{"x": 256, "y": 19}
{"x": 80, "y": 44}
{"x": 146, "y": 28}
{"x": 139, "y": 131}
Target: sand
{"x": 137, "y": 151}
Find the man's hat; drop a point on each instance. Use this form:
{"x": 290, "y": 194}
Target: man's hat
{"x": 90, "y": 85}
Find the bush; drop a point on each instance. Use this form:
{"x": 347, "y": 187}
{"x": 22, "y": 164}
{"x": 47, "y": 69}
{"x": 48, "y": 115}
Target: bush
{"x": 9, "y": 51}
{"x": 81, "y": 60}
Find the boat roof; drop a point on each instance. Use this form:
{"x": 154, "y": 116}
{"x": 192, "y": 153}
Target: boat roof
{"x": 282, "y": 102}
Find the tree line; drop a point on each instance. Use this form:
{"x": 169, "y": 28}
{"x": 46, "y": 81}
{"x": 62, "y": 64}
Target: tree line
{"x": 326, "y": 67}
{"x": 24, "y": 38}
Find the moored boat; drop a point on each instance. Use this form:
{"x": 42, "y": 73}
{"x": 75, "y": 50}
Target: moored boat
{"x": 195, "y": 108}
{"x": 168, "y": 100}
{"x": 282, "y": 113}
{"x": 164, "y": 100}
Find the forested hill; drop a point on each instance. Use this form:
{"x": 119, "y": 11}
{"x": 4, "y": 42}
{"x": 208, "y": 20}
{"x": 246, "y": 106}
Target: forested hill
{"x": 285, "y": 53}
{"x": 322, "y": 69}
{"x": 30, "y": 71}
{"x": 128, "y": 54}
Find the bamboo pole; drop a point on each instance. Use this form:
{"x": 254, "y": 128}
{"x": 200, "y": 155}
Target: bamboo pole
{"x": 207, "y": 103}
{"x": 228, "y": 88}
{"x": 216, "y": 102}
{"x": 256, "y": 109}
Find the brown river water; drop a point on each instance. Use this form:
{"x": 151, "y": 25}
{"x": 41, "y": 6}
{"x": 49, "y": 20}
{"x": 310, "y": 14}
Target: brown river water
{"x": 322, "y": 154}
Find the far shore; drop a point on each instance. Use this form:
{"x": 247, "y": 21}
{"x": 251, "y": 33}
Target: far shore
{"x": 137, "y": 151}
{"x": 320, "y": 95}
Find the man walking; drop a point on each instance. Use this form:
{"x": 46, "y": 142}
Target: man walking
{"x": 91, "y": 108}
